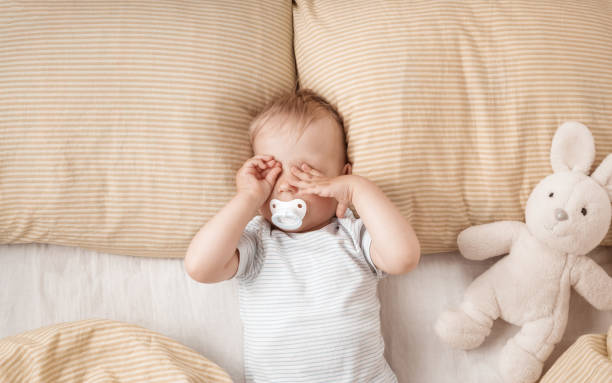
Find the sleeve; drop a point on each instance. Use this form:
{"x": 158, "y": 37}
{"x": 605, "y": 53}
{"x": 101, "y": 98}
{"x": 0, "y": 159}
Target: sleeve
{"x": 248, "y": 246}
{"x": 362, "y": 238}
{"x": 365, "y": 240}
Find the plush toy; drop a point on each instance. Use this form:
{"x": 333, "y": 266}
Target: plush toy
{"x": 567, "y": 215}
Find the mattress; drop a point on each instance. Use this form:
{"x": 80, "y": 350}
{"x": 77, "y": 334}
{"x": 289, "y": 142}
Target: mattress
{"x": 44, "y": 284}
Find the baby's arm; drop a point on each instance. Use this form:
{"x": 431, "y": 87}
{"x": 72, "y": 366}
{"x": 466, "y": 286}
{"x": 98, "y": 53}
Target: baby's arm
{"x": 395, "y": 248}
{"x": 212, "y": 255}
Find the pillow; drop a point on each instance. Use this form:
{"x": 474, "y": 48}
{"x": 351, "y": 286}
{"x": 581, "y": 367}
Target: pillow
{"x": 588, "y": 360}
{"x": 102, "y": 350}
{"x": 451, "y": 106}
{"x": 123, "y": 123}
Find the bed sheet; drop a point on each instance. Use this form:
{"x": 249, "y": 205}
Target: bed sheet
{"x": 44, "y": 284}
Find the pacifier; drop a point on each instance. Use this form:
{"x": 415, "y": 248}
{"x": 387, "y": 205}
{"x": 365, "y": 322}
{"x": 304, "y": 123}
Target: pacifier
{"x": 288, "y": 215}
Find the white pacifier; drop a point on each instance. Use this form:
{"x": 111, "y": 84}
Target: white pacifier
{"x": 288, "y": 215}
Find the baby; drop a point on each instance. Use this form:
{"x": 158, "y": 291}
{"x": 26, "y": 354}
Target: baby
{"x": 307, "y": 269}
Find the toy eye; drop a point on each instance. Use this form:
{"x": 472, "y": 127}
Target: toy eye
{"x": 551, "y": 195}
{"x": 274, "y": 205}
{"x": 583, "y": 211}
{"x": 299, "y": 205}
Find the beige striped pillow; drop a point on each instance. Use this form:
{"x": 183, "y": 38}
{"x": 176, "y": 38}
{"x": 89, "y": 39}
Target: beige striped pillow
{"x": 451, "y": 106}
{"x": 588, "y": 360}
{"x": 123, "y": 123}
{"x": 102, "y": 350}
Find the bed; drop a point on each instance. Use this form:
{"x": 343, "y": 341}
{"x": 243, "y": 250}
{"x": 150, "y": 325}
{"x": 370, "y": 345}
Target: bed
{"x": 122, "y": 125}
{"x": 48, "y": 284}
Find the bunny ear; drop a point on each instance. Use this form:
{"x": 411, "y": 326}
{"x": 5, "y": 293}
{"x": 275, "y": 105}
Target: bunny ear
{"x": 573, "y": 148}
{"x": 603, "y": 174}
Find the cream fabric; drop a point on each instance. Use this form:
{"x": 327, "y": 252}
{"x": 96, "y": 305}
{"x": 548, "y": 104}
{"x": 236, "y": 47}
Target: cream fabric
{"x": 101, "y": 350}
{"x": 122, "y": 123}
{"x": 450, "y": 106}
{"x": 589, "y": 360}
{"x": 45, "y": 284}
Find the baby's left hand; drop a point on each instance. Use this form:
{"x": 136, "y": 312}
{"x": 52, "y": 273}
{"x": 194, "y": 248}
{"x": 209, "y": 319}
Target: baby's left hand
{"x": 314, "y": 182}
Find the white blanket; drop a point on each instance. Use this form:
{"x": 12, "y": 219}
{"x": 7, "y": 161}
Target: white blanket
{"x": 47, "y": 284}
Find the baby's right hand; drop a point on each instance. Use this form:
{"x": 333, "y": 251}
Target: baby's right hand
{"x": 257, "y": 176}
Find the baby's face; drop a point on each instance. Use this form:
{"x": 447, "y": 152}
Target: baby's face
{"x": 321, "y": 147}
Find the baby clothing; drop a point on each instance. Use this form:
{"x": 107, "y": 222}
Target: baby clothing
{"x": 309, "y": 306}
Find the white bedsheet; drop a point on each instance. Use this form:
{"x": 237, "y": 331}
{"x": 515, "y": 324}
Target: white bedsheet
{"x": 46, "y": 284}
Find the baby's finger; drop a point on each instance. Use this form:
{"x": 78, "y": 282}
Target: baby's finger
{"x": 272, "y": 174}
{"x": 271, "y": 163}
{"x": 259, "y": 163}
{"x": 270, "y": 166}
{"x": 299, "y": 184}
{"x": 311, "y": 190}
{"x": 308, "y": 168}
{"x": 300, "y": 174}
{"x": 263, "y": 157}
{"x": 320, "y": 189}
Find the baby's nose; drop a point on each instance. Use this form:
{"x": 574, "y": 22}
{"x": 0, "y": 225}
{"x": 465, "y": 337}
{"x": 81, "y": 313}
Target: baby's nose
{"x": 283, "y": 183}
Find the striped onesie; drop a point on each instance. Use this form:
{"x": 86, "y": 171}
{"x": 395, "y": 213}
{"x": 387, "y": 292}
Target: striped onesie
{"x": 309, "y": 306}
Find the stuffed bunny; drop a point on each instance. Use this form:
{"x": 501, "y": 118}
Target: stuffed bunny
{"x": 567, "y": 215}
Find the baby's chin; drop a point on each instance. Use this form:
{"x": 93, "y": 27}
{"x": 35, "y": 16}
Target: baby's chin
{"x": 305, "y": 227}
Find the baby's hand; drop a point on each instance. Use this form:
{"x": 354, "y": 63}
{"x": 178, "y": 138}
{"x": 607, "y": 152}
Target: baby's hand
{"x": 257, "y": 176}
{"x": 314, "y": 182}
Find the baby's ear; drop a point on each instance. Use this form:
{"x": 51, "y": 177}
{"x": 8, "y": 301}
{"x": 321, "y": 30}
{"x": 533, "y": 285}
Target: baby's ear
{"x": 603, "y": 174}
{"x": 572, "y": 149}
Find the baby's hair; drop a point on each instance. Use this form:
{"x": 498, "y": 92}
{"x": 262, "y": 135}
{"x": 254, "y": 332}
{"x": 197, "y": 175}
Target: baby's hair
{"x": 302, "y": 104}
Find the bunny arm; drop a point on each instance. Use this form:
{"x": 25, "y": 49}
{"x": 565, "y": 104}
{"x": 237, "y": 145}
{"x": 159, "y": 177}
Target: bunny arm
{"x": 592, "y": 282}
{"x": 489, "y": 240}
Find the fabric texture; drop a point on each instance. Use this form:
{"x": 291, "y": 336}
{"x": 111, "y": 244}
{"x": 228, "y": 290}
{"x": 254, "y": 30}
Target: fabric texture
{"x": 309, "y": 305}
{"x": 101, "y": 350}
{"x": 450, "y": 106}
{"x": 588, "y": 360}
{"x": 44, "y": 284}
{"x": 123, "y": 123}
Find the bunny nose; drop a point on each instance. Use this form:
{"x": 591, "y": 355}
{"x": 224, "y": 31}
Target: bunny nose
{"x": 560, "y": 214}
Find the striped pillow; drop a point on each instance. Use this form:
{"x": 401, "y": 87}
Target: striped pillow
{"x": 588, "y": 360}
{"x": 451, "y": 106}
{"x": 102, "y": 350}
{"x": 123, "y": 123}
